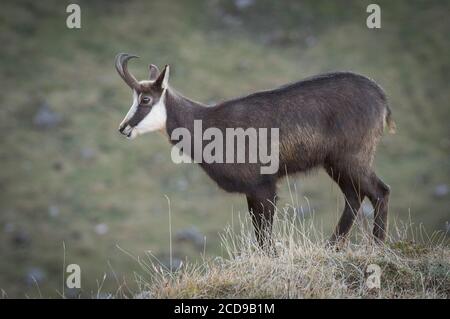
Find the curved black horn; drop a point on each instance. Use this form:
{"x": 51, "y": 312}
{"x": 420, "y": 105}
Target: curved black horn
{"x": 122, "y": 69}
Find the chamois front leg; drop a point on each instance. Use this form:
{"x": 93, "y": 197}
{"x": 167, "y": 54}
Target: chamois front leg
{"x": 261, "y": 207}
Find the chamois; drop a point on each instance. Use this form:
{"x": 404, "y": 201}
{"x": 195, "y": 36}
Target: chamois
{"x": 333, "y": 121}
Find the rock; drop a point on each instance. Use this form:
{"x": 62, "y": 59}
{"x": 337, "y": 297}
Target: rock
{"x": 35, "y": 275}
{"x": 243, "y": 4}
{"x": 46, "y": 118}
{"x": 53, "y": 210}
{"x": 440, "y": 191}
{"x": 21, "y": 238}
{"x": 367, "y": 210}
{"x": 88, "y": 153}
{"x": 9, "y": 228}
{"x": 177, "y": 263}
{"x": 76, "y": 235}
{"x": 182, "y": 184}
{"x": 190, "y": 235}
{"x": 101, "y": 229}
{"x": 57, "y": 166}
{"x": 310, "y": 41}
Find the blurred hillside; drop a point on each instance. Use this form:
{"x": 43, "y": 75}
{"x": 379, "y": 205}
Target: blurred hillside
{"x": 67, "y": 176}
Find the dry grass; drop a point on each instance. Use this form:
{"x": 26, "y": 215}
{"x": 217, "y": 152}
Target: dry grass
{"x": 304, "y": 268}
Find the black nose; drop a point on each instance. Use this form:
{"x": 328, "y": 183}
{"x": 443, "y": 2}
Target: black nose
{"x": 122, "y": 128}
{"x": 126, "y": 129}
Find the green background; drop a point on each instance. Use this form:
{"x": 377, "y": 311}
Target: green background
{"x": 78, "y": 182}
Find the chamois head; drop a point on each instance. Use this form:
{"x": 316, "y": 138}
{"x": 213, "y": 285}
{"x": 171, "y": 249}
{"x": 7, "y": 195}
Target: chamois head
{"x": 148, "y": 111}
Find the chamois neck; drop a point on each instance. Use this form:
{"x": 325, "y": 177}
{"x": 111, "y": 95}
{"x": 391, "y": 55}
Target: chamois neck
{"x": 181, "y": 111}
{"x": 177, "y": 98}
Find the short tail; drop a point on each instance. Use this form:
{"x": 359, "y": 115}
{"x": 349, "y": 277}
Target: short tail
{"x": 390, "y": 123}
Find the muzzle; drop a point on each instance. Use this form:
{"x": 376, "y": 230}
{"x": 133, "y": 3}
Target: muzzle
{"x": 126, "y": 130}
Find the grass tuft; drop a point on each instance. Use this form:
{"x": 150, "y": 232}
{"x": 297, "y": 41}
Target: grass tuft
{"x": 305, "y": 268}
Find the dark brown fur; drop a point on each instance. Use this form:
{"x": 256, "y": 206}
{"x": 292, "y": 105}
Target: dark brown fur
{"x": 332, "y": 121}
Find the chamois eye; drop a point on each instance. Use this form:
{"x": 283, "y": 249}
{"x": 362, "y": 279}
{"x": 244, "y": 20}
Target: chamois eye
{"x": 145, "y": 100}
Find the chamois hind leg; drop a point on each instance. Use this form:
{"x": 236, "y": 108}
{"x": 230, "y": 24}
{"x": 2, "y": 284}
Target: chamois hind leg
{"x": 261, "y": 206}
{"x": 350, "y": 187}
{"x": 378, "y": 194}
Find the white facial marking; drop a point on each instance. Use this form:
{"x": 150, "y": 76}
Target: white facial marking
{"x": 133, "y": 108}
{"x": 155, "y": 120}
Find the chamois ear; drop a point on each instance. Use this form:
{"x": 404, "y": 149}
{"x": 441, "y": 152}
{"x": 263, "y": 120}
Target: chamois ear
{"x": 153, "y": 72}
{"x": 163, "y": 79}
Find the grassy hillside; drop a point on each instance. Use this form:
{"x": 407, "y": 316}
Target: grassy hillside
{"x": 68, "y": 177}
{"x": 304, "y": 268}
